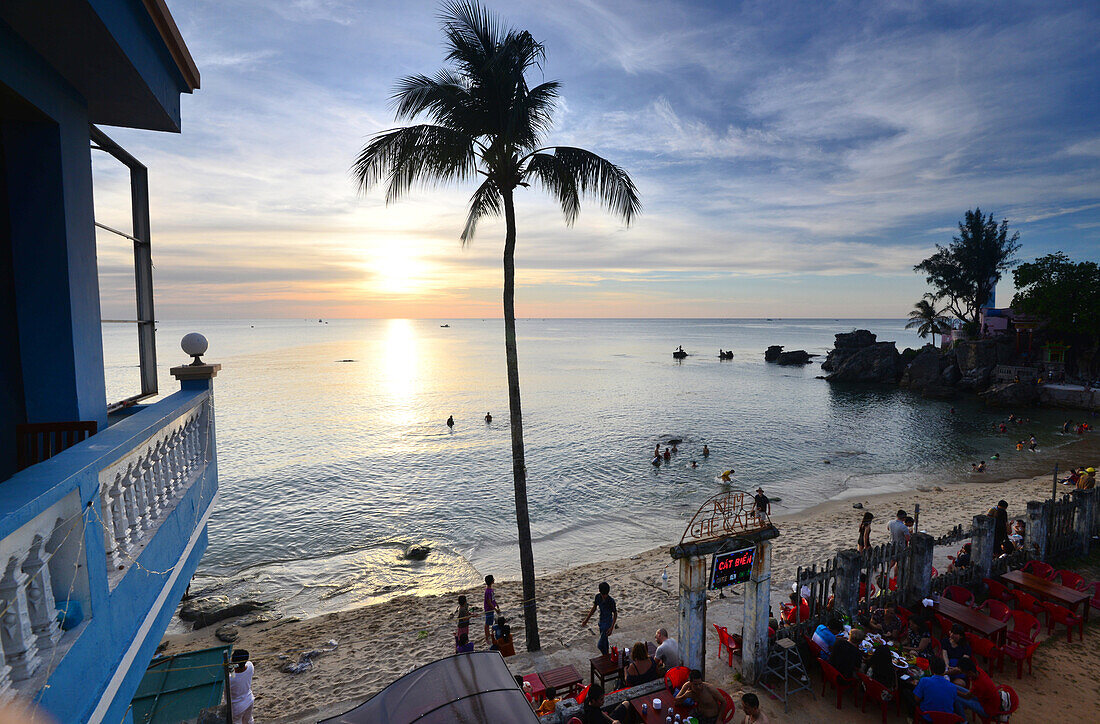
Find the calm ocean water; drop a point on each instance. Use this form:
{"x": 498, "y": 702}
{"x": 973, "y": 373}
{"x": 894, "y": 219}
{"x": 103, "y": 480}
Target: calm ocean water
{"x": 330, "y": 468}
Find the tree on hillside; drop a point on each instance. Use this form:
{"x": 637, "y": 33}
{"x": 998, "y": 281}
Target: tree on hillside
{"x": 966, "y": 271}
{"x": 487, "y": 122}
{"x": 1066, "y": 295}
{"x": 927, "y": 319}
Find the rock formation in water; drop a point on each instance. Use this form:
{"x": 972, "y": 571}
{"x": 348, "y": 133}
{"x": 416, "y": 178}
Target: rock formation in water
{"x": 771, "y": 354}
{"x": 794, "y": 357}
{"x": 857, "y": 357}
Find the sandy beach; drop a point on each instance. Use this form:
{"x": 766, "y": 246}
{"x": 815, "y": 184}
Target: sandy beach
{"x": 379, "y": 643}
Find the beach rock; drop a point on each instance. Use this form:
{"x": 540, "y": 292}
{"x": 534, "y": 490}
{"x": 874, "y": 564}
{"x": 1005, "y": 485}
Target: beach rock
{"x": 771, "y": 354}
{"x": 938, "y": 391}
{"x": 795, "y": 357}
{"x": 925, "y": 369}
{"x": 1012, "y": 394}
{"x": 976, "y": 379}
{"x": 227, "y": 633}
{"x": 417, "y": 552}
{"x": 211, "y": 609}
{"x": 846, "y": 345}
{"x": 879, "y": 362}
{"x": 972, "y": 354}
{"x": 858, "y": 506}
{"x": 950, "y": 375}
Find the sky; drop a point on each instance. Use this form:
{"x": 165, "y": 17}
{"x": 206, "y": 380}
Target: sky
{"x": 793, "y": 159}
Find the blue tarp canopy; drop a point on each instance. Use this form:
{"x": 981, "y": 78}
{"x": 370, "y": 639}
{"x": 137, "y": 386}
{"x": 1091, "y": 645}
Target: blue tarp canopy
{"x": 474, "y": 688}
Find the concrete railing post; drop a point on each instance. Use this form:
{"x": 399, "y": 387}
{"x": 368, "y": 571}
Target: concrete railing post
{"x": 754, "y": 655}
{"x": 1037, "y": 529}
{"x": 1084, "y": 521}
{"x": 917, "y": 574}
{"x": 847, "y": 582}
{"x": 981, "y": 544}
{"x": 693, "y": 612}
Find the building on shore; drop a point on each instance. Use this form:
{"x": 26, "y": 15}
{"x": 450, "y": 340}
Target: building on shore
{"x": 103, "y": 507}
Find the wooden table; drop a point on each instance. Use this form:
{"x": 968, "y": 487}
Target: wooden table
{"x": 987, "y": 626}
{"x": 1049, "y": 590}
{"x": 603, "y": 668}
{"x": 657, "y": 717}
{"x": 562, "y": 679}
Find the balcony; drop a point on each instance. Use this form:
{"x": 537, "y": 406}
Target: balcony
{"x": 97, "y": 545}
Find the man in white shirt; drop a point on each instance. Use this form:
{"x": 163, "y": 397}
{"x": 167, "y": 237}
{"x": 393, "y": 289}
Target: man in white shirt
{"x": 240, "y": 687}
{"x": 668, "y": 651}
{"x": 899, "y": 532}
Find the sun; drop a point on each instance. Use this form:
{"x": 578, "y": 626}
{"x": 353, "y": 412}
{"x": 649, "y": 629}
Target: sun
{"x": 397, "y": 269}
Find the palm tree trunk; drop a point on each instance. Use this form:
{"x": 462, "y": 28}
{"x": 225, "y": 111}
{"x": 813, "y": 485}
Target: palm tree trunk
{"x": 519, "y": 465}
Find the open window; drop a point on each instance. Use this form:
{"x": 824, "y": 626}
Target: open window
{"x": 143, "y": 322}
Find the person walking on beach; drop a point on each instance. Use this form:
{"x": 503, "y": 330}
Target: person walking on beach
{"x": 609, "y": 616}
{"x": 761, "y": 506}
{"x": 864, "y": 543}
{"x": 899, "y": 532}
{"x": 490, "y": 607}
{"x": 240, "y": 687}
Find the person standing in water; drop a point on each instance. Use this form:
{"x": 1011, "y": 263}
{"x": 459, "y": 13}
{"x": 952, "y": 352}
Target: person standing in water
{"x": 488, "y": 418}
{"x": 726, "y": 475}
{"x": 706, "y": 451}
{"x": 451, "y": 421}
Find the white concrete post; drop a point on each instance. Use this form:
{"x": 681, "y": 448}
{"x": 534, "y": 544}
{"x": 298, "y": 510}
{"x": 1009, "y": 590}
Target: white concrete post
{"x": 758, "y": 593}
{"x": 693, "y": 612}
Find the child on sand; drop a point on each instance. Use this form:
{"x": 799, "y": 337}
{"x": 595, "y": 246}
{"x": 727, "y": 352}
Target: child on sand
{"x": 240, "y": 687}
{"x": 463, "y": 617}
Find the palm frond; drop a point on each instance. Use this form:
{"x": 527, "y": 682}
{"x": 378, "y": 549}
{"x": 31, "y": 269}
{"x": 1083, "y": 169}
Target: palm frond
{"x": 404, "y": 156}
{"x": 472, "y": 35}
{"x": 558, "y": 180}
{"x": 593, "y": 176}
{"x": 445, "y": 99}
{"x": 486, "y": 201}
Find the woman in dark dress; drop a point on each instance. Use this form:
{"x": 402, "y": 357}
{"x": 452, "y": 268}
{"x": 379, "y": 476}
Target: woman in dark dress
{"x": 642, "y": 668}
{"x": 865, "y": 532}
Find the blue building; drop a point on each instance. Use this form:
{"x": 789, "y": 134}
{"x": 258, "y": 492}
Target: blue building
{"x": 103, "y": 508}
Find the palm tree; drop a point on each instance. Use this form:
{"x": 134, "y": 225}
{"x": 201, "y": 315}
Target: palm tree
{"x": 927, "y": 319}
{"x": 487, "y": 122}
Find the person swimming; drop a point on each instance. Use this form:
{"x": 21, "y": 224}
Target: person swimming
{"x": 981, "y": 466}
{"x": 995, "y": 456}
{"x": 694, "y": 464}
{"x": 656, "y": 461}
{"x": 1019, "y": 445}
{"x": 667, "y": 454}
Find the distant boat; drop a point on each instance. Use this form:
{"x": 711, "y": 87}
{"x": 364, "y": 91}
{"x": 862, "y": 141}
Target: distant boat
{"x": 444, "y": 325}
{"x": 725, "y": 355}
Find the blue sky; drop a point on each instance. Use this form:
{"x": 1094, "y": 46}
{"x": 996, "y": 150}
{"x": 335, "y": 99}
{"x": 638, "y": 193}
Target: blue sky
{"x": 794, "y": 159}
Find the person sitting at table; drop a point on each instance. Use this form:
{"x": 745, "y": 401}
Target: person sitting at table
{"x": 955, "y": 646}
{"x": 962, "y": 559}
{"x": 668, "y": 651}
{"x": 1007, "y": 548}
{"x": 881, "y": 667}
{"x": 846, "y": 655}
{"x": 935, "y": 692}
{"x": 708, "y": 701}
{"x": 919, "y": 641}
{"x": 980, "y": 694}
{"x": 1017, "y": 534}
{"x": 824, "y": 636}
{"x": 886, "y": 621}
{"x": 797, "y": 610}
{"x": 642, "y": 668}
{"x": 549, "y": 704}
{"x": 593, "y": 712}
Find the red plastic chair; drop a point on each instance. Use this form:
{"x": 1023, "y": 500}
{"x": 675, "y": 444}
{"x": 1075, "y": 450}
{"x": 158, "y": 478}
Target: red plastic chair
{"x": 1069, "y": 579}
{"x": 1061, "y": 615}
{"x": 675, "y": 677}
{"x": 1040, "y": 569}
{"x": 1002, "y": 716}
{"x": 998, "y": 590}
{"x": 1027, "y": 602}
{"x": 945, "y": 624}
{"x": 831, "y": 676}
{"x": 874, "y": 690}
{"x": 958, "y": 594}
{"x": 814, "y": 648}
{"x": 904, "y": 614}
{"x": 729, "y": 642}
{"x": 1025, "y": 628}
{"x": 575, "y": 720}
{"x": 934, "y": 572}
{"x": 981, "y": 646}
{"x": 996, "y": 609}
{"x": 921, "y": 663}
{"x": 1095, "y": 588}
{"x": 937, "y": 717}
{"x": 729, "y": 711}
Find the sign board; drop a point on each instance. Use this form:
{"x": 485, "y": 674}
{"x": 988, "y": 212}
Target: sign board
{"x": 732, "y": 567}
{"x": 731, "y": 513}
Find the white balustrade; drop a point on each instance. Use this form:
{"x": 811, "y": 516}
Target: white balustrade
{"x": 141, "y": 489}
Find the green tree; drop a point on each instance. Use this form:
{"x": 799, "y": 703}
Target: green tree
{"x": 1066, "y": 296}
{"x": 927, "y": 319}
{"x": 487, "y": 122}
{"x": 966, "y": 271}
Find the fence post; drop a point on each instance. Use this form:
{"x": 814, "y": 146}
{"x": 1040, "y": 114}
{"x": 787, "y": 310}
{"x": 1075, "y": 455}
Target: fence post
{"x": 847, "y": 582}
{"x": 1037, "y": 529}
{"x": 757, "y": 608}
{"x": 981, "y": 544}
{"x": 693, "y": 611}
{"x": 916, "y": 575}
{"x": 1084, "y": 523}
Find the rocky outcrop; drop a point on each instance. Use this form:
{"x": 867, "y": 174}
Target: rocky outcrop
{"x": 878, "y": 362}
{"x": 846, "y": 345}
{"x": 977, "y": 353}
{"x": 926, "y": 369}
{"x": 1013, "y": 394}
{"x": 796, "y": 357}
{"x": 208, "y": 610}
{"x": 975, "y": 380}
{"x": 771, "y": 354}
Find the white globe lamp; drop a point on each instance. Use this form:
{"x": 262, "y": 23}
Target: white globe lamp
{"x": 195, "y": 345}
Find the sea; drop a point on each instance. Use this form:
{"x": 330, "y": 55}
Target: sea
{"x": 334, "y": 456}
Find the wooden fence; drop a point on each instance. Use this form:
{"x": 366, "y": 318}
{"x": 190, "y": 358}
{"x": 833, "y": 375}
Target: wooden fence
{"x": 1062, "y": 540}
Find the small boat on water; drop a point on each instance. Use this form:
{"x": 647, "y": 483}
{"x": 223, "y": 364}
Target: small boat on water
{"x": 445, "y": 325}
{"x": 722, "y": 354}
